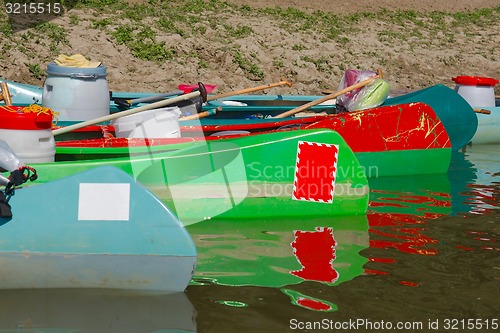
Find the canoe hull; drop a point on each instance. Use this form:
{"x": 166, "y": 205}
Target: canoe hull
{"x": 244, "y": 177}
{"x": 456, "y": 114}
{"x": 96, "y": 229}
{"x": 388, "y": 141}
{"x": 395, "y": 140}
{"x": 488, "y": 131}
{"x": 405, "y": 162}
{"x": 33, "y": 270}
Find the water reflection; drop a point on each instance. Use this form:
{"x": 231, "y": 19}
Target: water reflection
{"x": 426, "y": 250}
{"x": 423, "y": 237}
{"x": 94, "y": 311}
{"x": 279, "y": 252}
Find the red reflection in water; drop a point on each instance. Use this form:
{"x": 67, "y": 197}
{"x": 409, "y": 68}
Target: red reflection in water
{"x": 375, "y": 272}
{"x": 409, "y": 283}
{"x": 465, "y": 248}
{"x": 315, "y": 251}
{"x": 433, "y": 199}
{"x": 404, "y": 238}
{"x": 313, "y": 304}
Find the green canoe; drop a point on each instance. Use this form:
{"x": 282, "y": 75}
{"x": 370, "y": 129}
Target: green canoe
{"x": 247, "y": 177}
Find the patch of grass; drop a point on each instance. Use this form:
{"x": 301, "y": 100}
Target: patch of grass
{"x": 74, "y": 20}
{"x": 240, "y": 31}
{"x": 150, "y": 51}
{"x": 102, "y": 23}
{"x": 168, "y": 25}
{"x": 298, "y": 47}
{"x": 202, "y": 64}
{"x": 5, "y": 28}
{"x": 388, "y": 36}
{"x": 35, "y": 71}
{"x": 138, "y": 12}
{"x": 321, "y": 64}
{"x": 248, "y": 66}
{"x": 142, "y": 43}
{"x": 124, "y": 34}
{"x": 54, "y": 32}
{"x": 278, "y": 63}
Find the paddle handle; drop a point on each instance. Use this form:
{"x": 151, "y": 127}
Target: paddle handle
{"x": 201, "y": 114}
{"x": 482, "y": 111}
{"x": 5, "y": 93}
{"x": 120, "y": 114}
{"x": 326, "y": 98}
{"x": 127, "y": 102}
{"x": 283, "y": 82}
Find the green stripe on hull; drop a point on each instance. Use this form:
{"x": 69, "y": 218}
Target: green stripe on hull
{"x": 268, "y": 200}
{"x": 405, "y": 162}
{"x": 223, "y": 178}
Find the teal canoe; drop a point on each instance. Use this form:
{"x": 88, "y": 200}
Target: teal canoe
{"x": 95, "y": 229}
{"x": 456, "y": 114}
{"x": 489, "y": 123}
{"x": 249, "y": 177}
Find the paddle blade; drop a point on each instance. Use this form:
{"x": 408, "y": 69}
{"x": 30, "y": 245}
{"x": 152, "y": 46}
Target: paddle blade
{"x": 189, "y": 88}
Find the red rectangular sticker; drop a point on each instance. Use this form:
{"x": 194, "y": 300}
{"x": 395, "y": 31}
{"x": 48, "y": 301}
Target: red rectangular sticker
{"x": 315, "y": 172}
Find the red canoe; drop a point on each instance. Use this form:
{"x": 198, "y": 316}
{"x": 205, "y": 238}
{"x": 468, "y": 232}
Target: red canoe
{"x": 405, "y": 139}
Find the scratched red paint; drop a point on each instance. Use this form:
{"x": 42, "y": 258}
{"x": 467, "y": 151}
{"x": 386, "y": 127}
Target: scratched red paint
{"x": 315, "y": 172}
{"x": 315, "y": 251}
{"x": 398, "y": 127}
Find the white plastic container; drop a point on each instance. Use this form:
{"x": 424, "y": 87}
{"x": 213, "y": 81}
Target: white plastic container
{"x": 477, "y": 91}
{"x": 76, "y": 93}
{"x": 157, "y": 123}
{"x": 28, "y": 135}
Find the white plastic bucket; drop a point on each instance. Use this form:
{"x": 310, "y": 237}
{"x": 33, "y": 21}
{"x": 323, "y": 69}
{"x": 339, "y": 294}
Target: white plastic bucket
{"x": 157, "y": 123}
{"x": 76, "y": 93}
{"x": 29, "y": 135}
{"x": 477, "y": 91}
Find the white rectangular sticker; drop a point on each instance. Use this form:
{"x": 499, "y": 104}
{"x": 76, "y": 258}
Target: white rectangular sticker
{"x": 101, "y": 201}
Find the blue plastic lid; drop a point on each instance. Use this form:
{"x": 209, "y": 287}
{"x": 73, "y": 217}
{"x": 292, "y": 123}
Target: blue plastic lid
{"x": 76, "y": 72}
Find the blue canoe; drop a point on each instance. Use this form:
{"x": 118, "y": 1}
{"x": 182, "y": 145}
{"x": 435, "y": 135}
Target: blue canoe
{"x": 95, "y": 229}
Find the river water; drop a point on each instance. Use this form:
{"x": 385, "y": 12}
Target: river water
{"x": 424, "y": 259}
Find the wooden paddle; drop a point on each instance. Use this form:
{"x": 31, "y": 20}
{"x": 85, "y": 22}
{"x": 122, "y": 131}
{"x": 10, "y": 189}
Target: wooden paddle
{"x": 151, "y": 106}
{"x": 327, "y": 97}
{"x": 5, "y": 93}
{"x": 201, "y": 114}
{"x": 482, "y": 111}
{"x": 283, "y": 82}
